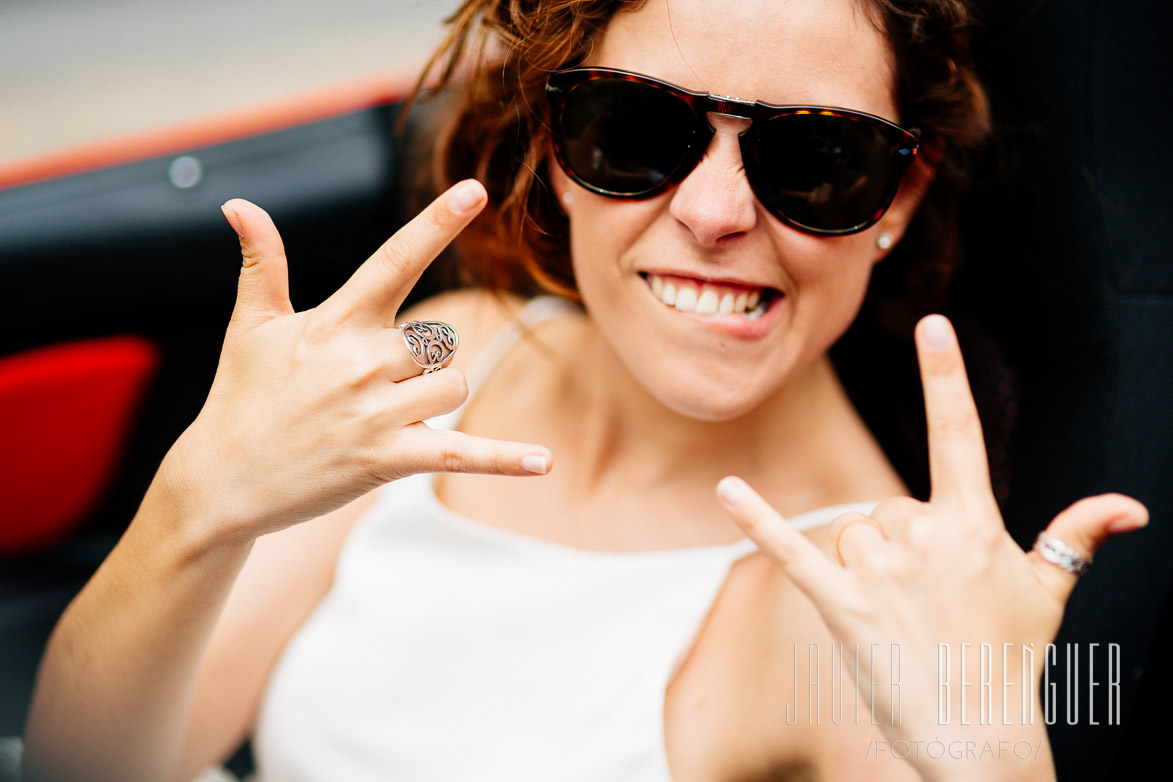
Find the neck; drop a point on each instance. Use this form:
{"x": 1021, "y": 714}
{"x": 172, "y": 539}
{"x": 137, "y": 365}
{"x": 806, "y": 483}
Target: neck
{"x": 790, "y": 446}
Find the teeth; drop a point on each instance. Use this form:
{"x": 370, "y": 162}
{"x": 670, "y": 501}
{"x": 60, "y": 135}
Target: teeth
{"x": 758, "y": 310}
{"x": 707, "y": 300}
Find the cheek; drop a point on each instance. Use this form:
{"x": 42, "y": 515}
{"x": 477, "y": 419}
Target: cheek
{"x": 832, "y": 265}
{"x": 605, "y": 234}
{"x": 829, "y": 283}
{"x": 590, "y": 255}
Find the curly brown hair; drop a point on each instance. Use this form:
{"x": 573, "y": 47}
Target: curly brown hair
{"x": 498, "y": 54}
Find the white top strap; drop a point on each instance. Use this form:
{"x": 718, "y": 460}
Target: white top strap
{"x": 533, "y": 313}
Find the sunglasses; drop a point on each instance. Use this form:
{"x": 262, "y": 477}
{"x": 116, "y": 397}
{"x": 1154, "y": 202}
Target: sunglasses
{"x": 824, "y": 171}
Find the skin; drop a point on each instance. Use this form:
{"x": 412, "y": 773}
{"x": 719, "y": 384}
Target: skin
{"x": 311, "y": 411}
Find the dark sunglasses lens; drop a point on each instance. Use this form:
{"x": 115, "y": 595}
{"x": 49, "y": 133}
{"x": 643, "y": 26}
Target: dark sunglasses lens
{"x": 624, "y": 137}
{"x": 824, "y": 172}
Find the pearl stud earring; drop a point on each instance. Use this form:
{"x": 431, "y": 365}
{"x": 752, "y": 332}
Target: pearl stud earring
{"x": 884, "y": 241}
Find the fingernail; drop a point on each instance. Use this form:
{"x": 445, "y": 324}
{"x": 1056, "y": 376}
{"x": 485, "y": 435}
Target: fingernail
{"x": 535, "y": 464}
{"x": 464, "y": 198}
{"x": 729, "y": 490}
{"x": 938, "y": 337}
{"x": 233, "y": 220}
{"x": 1128, "y": 523}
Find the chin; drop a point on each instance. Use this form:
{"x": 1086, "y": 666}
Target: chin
{"x": 710, "y": 402}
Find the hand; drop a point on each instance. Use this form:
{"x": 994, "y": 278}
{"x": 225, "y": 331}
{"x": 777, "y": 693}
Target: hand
{"x": 310, "y": 410}
{"x": 918, "y": 575}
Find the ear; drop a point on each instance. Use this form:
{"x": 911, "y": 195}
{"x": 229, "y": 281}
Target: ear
{"x": 559, "y": 183}
{"x": 913, "y": 186}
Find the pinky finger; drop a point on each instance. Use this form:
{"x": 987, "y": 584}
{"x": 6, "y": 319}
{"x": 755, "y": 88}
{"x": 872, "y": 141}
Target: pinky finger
{"x": 431, "y": 450}
{"x": 811, "y": 570}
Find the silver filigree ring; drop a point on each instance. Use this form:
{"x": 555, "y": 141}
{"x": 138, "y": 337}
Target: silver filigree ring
{"x": 431, "y": 343}
{"x": 1061, "y": 555}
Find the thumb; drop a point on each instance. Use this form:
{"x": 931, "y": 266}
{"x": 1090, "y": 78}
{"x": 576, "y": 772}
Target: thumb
{"x": 1084, "y": 527}
{"x": 263, "y": 290}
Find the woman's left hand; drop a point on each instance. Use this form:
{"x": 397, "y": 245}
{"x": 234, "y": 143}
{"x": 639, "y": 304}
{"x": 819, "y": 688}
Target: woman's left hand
{"x": 936, "y": 578}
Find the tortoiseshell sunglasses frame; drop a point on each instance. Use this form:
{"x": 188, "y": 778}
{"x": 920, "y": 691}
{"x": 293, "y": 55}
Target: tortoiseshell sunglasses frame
{"x": 903, "y": 143}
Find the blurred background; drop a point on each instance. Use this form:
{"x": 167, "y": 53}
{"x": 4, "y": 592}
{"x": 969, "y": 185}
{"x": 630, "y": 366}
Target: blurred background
{"x": 77, "y": 71}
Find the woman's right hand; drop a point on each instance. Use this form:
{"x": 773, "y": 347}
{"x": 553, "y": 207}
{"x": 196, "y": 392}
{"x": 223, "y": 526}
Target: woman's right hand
{"x": 310, "y": 410}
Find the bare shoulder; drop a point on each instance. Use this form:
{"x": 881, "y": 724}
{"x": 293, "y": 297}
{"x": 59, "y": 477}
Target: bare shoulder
{"x": 476, "y": 314}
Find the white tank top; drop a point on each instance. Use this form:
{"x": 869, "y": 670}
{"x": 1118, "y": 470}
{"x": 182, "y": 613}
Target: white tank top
{"x": 450, "y": 650}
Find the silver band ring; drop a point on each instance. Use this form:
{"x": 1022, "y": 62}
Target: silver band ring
{"x": 431, "y": 343}
{"x": 1061, "y": 555}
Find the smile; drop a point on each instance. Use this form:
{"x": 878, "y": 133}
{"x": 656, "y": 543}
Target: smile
{"x": 707, "y": 299}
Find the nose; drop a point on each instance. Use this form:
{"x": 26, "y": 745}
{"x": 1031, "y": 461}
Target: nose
{"x": 715, "y": 201}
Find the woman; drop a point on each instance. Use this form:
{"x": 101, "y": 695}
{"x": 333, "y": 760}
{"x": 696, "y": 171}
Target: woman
{"x": 604, "y": 620}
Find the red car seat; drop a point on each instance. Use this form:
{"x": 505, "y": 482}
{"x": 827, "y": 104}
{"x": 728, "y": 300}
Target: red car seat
{"x": 65, "y": 415}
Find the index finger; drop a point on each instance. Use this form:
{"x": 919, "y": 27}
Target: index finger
{"x": 376, "y": 290}
{"x": 818, "y": 577}
{"x": 957, "y": 452}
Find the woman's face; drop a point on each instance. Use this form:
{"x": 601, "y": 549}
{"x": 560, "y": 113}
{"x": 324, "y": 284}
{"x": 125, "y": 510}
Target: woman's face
{"x": 709, "y": 235}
